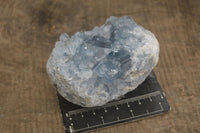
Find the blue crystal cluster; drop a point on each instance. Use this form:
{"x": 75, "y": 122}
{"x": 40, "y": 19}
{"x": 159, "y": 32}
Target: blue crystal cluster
{"x": 94, "y": 67}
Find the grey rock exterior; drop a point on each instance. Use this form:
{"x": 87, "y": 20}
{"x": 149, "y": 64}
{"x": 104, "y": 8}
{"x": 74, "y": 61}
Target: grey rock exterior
{"x": 94, "y": 67}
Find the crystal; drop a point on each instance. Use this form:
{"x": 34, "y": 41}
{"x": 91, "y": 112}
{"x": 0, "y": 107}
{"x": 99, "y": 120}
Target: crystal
{"x": 94, "y": 67}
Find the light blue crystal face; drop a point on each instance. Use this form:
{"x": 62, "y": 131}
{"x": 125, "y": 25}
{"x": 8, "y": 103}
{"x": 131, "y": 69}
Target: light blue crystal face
{"x": 94, "y": 67}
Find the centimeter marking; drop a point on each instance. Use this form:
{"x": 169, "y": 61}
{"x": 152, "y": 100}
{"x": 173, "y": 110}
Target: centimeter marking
{"x": 72, "y": 130}
{"x": 117, "y": 103}
{"x": 126, "y": 101}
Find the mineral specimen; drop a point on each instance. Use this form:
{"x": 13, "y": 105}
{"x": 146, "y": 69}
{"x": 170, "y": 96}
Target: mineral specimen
{"x": 94, "y": 67}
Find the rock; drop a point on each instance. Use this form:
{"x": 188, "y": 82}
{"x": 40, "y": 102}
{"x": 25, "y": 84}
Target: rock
{"x": 94, "y": 67}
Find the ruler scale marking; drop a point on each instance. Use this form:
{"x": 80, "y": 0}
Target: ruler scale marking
{"x": 115, "y": 121}
{"x": 117, "y": 108}
{"x": 114, "y": 103}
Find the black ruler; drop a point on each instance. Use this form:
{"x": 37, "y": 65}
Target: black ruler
{"x": 146, "y": 100}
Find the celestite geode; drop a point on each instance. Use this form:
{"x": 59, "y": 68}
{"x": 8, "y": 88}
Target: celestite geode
{"x": 94, "y": 67}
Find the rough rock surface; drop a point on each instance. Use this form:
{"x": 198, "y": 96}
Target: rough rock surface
{"x": 94, "y": 67}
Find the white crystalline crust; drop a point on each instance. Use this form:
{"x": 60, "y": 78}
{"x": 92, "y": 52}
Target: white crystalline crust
{"x": 94, "y": 67}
